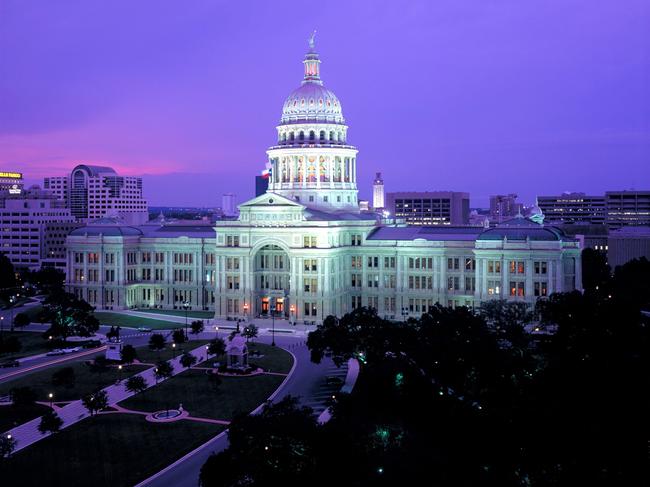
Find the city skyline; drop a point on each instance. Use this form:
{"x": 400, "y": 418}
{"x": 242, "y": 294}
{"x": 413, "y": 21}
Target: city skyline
{"x": 198, "y": 93}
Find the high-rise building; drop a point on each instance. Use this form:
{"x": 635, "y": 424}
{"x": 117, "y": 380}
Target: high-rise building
{"x": 378, "y": 201}
{"x": 93, "y": 192}
{"x": 11, "y": 182}
{"x": 261, "y": 185}
{"x": 504, "y": 206}
{"x": 430, "y": 207}
{"x": 228, "y": 204}
{"x": 303, "y": 250}
{"x": 627, "y": 208}
{"x": 33, "y": 228}
{"x": 627, "y": 243}
{"x": 573, "y": 208}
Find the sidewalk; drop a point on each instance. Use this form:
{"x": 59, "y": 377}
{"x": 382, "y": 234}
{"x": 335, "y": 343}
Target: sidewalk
{"x": 27, "y": 433}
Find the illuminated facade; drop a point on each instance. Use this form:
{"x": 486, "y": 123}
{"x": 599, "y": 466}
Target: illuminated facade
{"x": 303, "y": 250}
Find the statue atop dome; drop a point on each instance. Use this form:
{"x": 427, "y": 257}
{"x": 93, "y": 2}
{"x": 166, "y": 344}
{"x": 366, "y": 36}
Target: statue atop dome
{"x": 311, "y": 40}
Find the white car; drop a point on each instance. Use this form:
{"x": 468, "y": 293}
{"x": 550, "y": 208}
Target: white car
{"x": 71, "y": 350}
{"x": 56, "y": 351}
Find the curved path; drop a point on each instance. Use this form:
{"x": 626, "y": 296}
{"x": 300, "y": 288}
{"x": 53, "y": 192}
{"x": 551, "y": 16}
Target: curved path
{"x": 307, "y": 381}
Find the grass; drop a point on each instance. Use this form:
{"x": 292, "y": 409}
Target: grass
{"x": 85, "y": 381}
{"x": 111, "y": 449}
{"x": 115, "y": 319}
{"x": 32, "y": 342}
{"x": 179, "y": 312}
{"x": 201, "y": 399}
{"x": 274, "y": 358}
{"x": 151, "y": 356}
{"x": 12, "y": 416}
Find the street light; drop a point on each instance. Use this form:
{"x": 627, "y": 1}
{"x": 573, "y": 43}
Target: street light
{"x": 216, "y": 332}
{"x": 2, "y": 322}
{"x": 292, "y": 310}
{"x": 273, "y": 325}
{"x": 51, "y": 396}
{"x": 119, "y": 370}
{"x": 174, "y": 350}
{"x": 186, "y": 305}
{"x": 245, "y": 311}
{"x": 11, "y": 305}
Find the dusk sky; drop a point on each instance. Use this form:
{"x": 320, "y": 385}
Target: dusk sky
{"x": 484, "y": 96}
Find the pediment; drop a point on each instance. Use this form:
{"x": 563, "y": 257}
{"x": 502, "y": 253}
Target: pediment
{"x": 268, "y": 200}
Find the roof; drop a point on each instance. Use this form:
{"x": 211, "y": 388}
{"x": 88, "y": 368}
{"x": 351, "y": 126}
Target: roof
{"x": 107, "y": 231}
{"x": 322, "y": 215}
{"x": 426, "y": 233}
{"x": 95, "y": 170}
{"x": 520, "y": 228}
{"x": 150, "y": 231}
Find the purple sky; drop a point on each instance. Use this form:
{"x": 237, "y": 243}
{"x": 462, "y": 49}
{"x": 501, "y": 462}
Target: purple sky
{"x": 533, "y": 97}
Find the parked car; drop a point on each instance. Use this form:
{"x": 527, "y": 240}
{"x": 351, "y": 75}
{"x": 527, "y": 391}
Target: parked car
{"x": 9, "y": 363}
{"x": 56, "y": 351}
{"x": 71, "y": 349}
{"x": 144, "y": 328}
{"x": 92, "y": 344}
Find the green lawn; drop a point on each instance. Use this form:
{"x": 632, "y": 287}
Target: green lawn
{"x": 12, "y": 416}
{"x": 150, "y": 356}
{"x": 85, "y": 381}
{"x": 201, "y": 399}
{"x": 119, "y": 450}
{"x": 115, "y": 319}
{"x": 179, "y": 312}
{"x": 274, "y": 359}
{"x": 32, "y": 342}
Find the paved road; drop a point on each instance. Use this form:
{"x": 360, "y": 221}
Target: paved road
{"x": 307, "y": 382}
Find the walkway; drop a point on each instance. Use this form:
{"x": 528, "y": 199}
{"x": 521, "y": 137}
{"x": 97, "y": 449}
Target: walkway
{"x": 27, "y": 433}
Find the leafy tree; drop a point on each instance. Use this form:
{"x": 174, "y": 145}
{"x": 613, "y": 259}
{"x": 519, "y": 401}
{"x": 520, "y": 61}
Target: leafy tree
{"x": 64, "y": 377}
{"x": 7, "y": 443}
{"x": 596, "y": 273}
{"x": 128, "y": 354}
{"x": 275, "y": 447}
{"x": 21, "y": 320}
{"x": 95, "y": 402}
{"x": 250, "y": 332}
{"x": 50, "y": 423}
{"x": 23, "y": 396}
{"x": 197, "y": 327}
{"x": 136, "y": 384}
{"x": 187, "y": 360}
{"x": 214, "y": 379}
{"x": 178, "y": 336}
{"x": 7, "y": 273}
{"x": 99, "y": 365}
{"x": 508, "y": 318}
{"x": 163, "y": 370}
{"x": 156, "y": 342}
{"x": 68, "y": 315}
{"x": 46, "y": 278}
{"x": 217, "y": 347}
{"x": 10, "y": 345}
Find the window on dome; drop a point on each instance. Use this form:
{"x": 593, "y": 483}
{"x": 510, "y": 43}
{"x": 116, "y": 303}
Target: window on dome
{"x": 332, "y": 136}
{"x": 302, "y": 102}
{"x": 329, "y": 103}
{"x": 295, "y": 102}
{"x": 291, "y": 137}
{"x": 301, "y": 136}
{"x": 322, "y": 135}
{"x": 312, "y": 135}
{"x": 311, "y": 101}
{"x": 320, "y": 102}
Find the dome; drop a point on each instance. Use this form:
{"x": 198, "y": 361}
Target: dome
{"x": 312, "y": 102}
{"x": 520, "y": 228}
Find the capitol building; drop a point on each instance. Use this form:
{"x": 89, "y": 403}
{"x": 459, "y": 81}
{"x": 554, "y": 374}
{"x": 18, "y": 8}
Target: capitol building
{"x": 303, "y": 250}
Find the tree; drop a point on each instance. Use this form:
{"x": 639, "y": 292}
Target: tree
{"x": 197, "y": 327}
{"x": 95, "y": 402}
{"x": 214, "y": 378}
{"x": 187, "y": 360}
{"x": 10, "y": 345}
{"x": 64, "y": 377}
{"x": 596, "y": 273}
{"x": 68, "y": 315}
{"x": 46, "y": 278}
{"x": 99, "y": 365}
{"x": 7, "y": 445}
{"x": 21, "y": 320}
{"x": 275, "y": 447}
{"x": 7, "y": 273}
{"x": 128, "y": 354}
{"x": 136, "y": 384}
{"x": 250, "y": 332}
{"x": 178, "y": 336}
{"x": 23, "y": 396}
{"x": 50, "y": 423}
{"x": 217, "y": 347}
{"x": 163, "y": 370}
{"x": 508, "y": 318}
{"x": 156, "y": 342}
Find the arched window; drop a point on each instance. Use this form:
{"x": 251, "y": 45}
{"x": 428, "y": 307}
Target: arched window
{"x": 322, "y": 135}
{"x": 301, "y": 136}
{"x": 312, "y": 135}
{"x": 340, "y": 138}
{"x": 332, "y": 136}
{"x": 291, "y": 137}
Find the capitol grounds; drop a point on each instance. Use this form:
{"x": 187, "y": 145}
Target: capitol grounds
{"x": 121, "y": 446}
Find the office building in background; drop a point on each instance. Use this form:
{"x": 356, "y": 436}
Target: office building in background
{"x": 11, "y": 182}
{"x": 627, "y": 208}
{"x": 378, "y": 197}
{"x": 429, "y": 208}
{"x": 228, "y": 204}
{"x": 573, "y": 208}
{"x": 93, "y": 192}
{"x": 504, "y": 206}
{"x": 261, "y": 185}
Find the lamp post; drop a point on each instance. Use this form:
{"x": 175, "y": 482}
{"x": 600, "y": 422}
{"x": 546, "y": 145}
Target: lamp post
{"x": 2, "y": 322}
{"x": 11, "y": 305}
{"x": 292, "y": 310}
{"x": 245, "y": 311}
{"x": 51, "y": 396}
{"x": 173, "y": 350}
{"x": 216, "y": 332}
{"x": 119, "y": 377}
{"x": 186, "y": 305}
{"x": 272, "y": 325}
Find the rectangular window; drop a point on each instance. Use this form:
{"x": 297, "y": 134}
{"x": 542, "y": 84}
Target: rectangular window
{"x": 494, "y": 267}
{"x": 232, "y": 241}
{"x": 309, "y": 241}
{"x": 356, "y": 240}
{"x": 541, "y": 289}
{"x": 453, "y": 264}
{"x": 389, "y": 262}
{"x": 540, "y": 267}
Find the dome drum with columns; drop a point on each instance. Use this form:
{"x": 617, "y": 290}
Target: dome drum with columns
{"x": 312, "y": 163}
